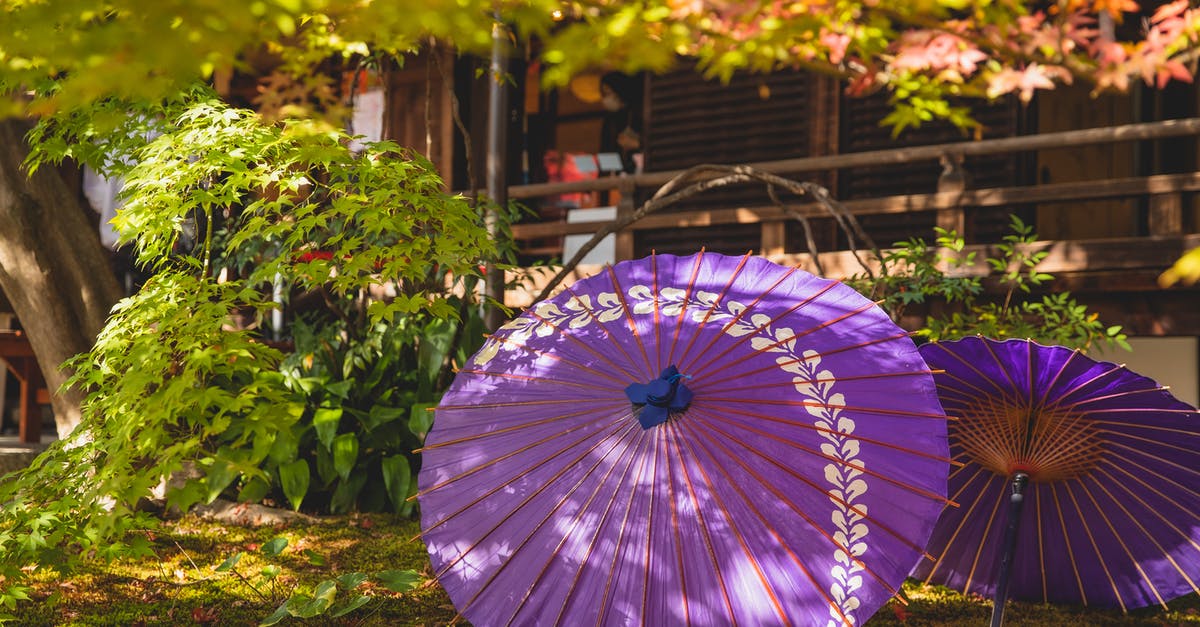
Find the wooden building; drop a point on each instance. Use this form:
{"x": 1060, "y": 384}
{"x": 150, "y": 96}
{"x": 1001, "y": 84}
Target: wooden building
{"x": 1109, "y": 182}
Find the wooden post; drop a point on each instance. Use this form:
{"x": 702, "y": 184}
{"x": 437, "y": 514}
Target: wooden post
{"x": 774, "y": 235}
{"x": 1166, "y": 214}
{"x": 625, "y": 206}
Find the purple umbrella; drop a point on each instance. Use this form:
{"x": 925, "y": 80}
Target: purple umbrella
{"x": 701, "y": 440}
{"x": 1100, "y": 467}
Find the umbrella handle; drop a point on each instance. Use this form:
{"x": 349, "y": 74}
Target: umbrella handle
{"x": 1015, "y": 502}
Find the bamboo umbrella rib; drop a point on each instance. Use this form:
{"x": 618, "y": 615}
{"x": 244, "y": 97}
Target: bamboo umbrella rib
{"x": 704, "y": 368}
{"x": 650, "y": 373}
{"x": 770, "y": 487}
{"x": 1143, "y": 410}
{"x": 570, "y": 531}
{"x": 1153, "y": 474}
{"x": 725, "y": 415}
{"x": 857, "y": 509}
{"x": 628, "y": 429}
{"x": 1041, "y": 550}
{"x": 612, "y": 568}
{"x": 951, "y": 394}
{"x": 678, "y": 536}
{"x": 989, "y": 478}
{"x": 562, "y": 500}
{"x": 1142, "y": 425}
{"x": 850, "y": 408}
{"x": 532, "y": 402}
{"x": 716, "y": 301}
{"x": 596, "y": 535}
{"x": 1058, "y": 375}
{"x": 1062, "y": 521}
{"x": 571, "y": 336}
{"x": 1137, "y": 497}
{"x": 1063, "y": 448}
{"x": 991, "y": 520}
{"x": 702, "y": 387}
{"x": 1145, "y": 532}
{"x": 673, "y": 429}
{"x": 683, "y": 309}
{"x": 1193, "y": 513}
{"x": 603, "y": 326}
{"x": 776, "y": 365}
{"x": 1095, "y": 548}
{"x": 514, "y": 428}
{"x": 1114, "y": 395}
{"x": 989, "y": 438}
{"x": 557, "y": 355}
{"x": 738, "y": 317}
{"x": 1161, "y": 460}
{"x": 613, "y": 427}
{"x": 702, "y": 412}
{"x": 648, "y": 556}
{"x": 1120, "y": 538}
{"x": 1078, "y": 387}
{"x": 542, "y": 379}
{"x": 1012, "y": 385}
{"x": 1190, "y": 450}
{"x": 735, "y": 529}
{"x": 658, "y": 309}
{"x": 999, "y": 389}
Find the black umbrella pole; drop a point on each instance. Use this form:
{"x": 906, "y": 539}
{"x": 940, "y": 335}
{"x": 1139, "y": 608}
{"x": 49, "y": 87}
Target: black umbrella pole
{"x": 1015, "y": 502}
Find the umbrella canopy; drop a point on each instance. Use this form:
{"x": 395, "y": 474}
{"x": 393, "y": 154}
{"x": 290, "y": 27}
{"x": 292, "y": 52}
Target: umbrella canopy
{"x": 685, "y": 440}
{"x": 1111, "y": 513}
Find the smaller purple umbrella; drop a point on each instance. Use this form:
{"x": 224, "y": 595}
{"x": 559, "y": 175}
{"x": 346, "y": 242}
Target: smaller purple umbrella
{"x": 1099, "y": 466}
{"x": 701, "y": 440}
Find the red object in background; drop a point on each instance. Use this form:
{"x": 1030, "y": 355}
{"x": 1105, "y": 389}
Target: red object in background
{"x": 563, "y": 167}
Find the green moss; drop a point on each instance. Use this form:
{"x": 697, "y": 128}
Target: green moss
{"x": 179, "y": 584}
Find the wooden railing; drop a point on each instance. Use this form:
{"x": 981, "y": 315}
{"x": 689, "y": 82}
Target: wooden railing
{"x": 1165, "y": 192}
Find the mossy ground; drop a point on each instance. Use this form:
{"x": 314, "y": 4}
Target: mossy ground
{"x": 179, "y": 585}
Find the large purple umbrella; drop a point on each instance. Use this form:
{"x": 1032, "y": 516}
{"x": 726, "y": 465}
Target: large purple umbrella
{"x": 703, "y": 440}
{"x": 1099, "y": 467}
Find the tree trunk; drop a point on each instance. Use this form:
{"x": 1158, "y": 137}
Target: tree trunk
{"x": 53, "y": 268}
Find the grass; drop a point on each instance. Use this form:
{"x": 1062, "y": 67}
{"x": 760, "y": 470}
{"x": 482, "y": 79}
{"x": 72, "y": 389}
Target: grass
{"x": 179, "y": 584}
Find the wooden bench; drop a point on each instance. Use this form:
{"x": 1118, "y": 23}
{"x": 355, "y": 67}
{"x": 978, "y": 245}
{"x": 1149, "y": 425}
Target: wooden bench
{"x": 18, "y": 355}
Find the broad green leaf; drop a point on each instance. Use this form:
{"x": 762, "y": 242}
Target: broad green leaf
{"x": 420, "y": 419}
{"x": 294, "y": 479}
{"x": 314, "y": 558}
{"x": 352, "y": 605}
{"x": 279, "y": 614}
{"x": 254, "y": 490}
{"x": 345, "y": 454}
{"x": 399, "y": 580}
{"x": 270, "y": 571}
{"x": 274, "y": 547}
{"x": 325, "y": 423}
{"x": 396, "y": 476}
{"x": 350, "y": 581}
{"x": 229, "y": 563}
{"x": 218, "y": 477}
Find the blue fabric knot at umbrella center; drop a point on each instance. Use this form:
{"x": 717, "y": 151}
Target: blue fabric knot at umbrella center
{"x": 661, "y": 397}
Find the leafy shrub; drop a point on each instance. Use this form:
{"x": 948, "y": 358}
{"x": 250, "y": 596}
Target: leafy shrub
{"x": 916, "y": 273}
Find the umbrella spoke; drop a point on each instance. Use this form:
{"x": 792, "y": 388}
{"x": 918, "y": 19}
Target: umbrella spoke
{"x": 683, "y": 309}
{"x": 576, "y": 519}
{"x": 603, "y": 326}
{"x": 1159, "y": 459}
{"x": 701, "y": 388}
{"x": 783, "y": 498}
{"x": 612, "y": 571}
{"x": 741, "y": 314}
{"x": 541, "y": 379}
{"x": 1012, "y": 384}
{"x": 615, "y": 425}
{"x": 1003, "y": 393}
{"x": 788, "y": 470}
{"x": 1145, "y": 532}
{"x": 596, "y": 535}
{"x": 991, "y": 519}
{"x": 1183, "y": 535}
{"x": 557, "y": 356}
{"x": 1083, "y": 520}
{"x": 963, "y": 518}
{"x": 687, "y": 612}
{"x": 562, "y": 500}
{"x": 1041, "y": 544}
{"x": 582, "y": 344}
{"x": 1112, "y": 369}
{"x": 1042, "y": 401}
{"x": 772, "y": 347}
{"x": 508, "y": 430}
{"x": 1062, "y": 521}
{"x": 1108, "y": 397}
{"x": 850, "y": 408}
{"x": 819, "y": 429}
{"x": 712, "y": 308}
{"x": 734, "y": 528}
{"x": 612, "y": 275}
{"x": 1149, "y": 472}
{"x": 782, "y": 363}
{"x": 673, "y": 430}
